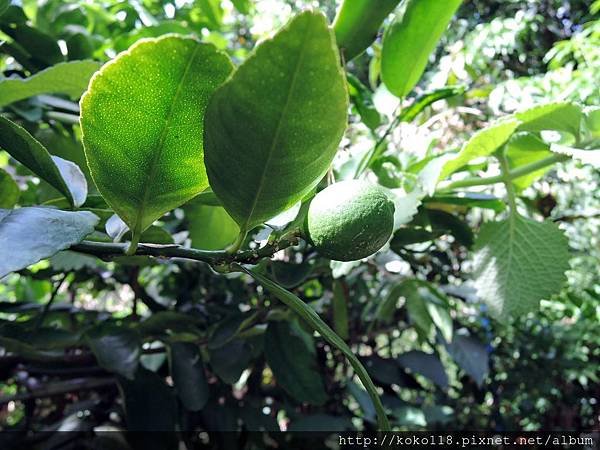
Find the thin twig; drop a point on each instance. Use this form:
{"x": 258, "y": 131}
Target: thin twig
{"x": 47, "y": 306}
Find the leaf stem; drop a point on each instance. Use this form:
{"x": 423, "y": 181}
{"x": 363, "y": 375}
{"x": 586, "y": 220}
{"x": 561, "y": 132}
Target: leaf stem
{"x": 507, "y": 180}
{"x": 233, "y": 248}
{"x": 313, "y": 319}
{"x": 511, "y": 175}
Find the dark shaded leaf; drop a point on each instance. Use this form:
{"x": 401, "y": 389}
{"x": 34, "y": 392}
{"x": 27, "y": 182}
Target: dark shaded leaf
{"x": 426, "y": 364}
{"x": 187, "y": 370}
{"x": 290, "y": 353}
{"x": 471, "y": 355}
{"x": 116, "y": 348}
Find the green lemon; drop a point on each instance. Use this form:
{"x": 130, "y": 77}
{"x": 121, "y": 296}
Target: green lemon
{"x": 350, "y": 220}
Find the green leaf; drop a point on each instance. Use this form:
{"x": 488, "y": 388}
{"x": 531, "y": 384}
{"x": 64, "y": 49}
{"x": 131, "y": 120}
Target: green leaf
{"x": 426, "y": 364}
{"x": 188, "y": 375}
{"x": 362, "y": 97}
{"x": 28, "y": 235}
{"x": 410, "y": 39}
{"x": 74, "y": 178}
{"x": 230, "y": 360}
{"x": 210, "y": 227}
{"x": 272, "y": 130}
{"x": 317, "y": 324}
{"x": 428, "y": 98}
{"x": 467, "y": 199}
{"x": 9, "y": 190}
{"x": 28, "y": 151}
{"x": 116, "y": 348}
{"x": 243, "y": 6}
{"x": 142, "y": 126}
{"x": 517, "y": 263}
{"x": 471, "y": 355}
{"x": 560, "y": 116}
{"x": 70, "y": 78}
{"x": 42, "y": 47}
{"x": 213, "y": 11}
{"x": 441, "y": 220}
{"x": 526, "y": 148}
{"x": 291, "y": 355}
{"x": 4, "y": 4}
{"x": 357, "y": 23}
{"x": 483, "y": 143}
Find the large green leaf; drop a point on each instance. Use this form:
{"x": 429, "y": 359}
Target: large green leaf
{"x": 291, "y": 355}
{"x": 518, "y": 262}
{"x": 483, "y": 143}
{"x": 28, "y": 151}
{"x": 410, "y": 39}
{"x": 188, "y": 375}
{"x": 70, "y": 78}
{"x": 142, "y": 126}
{"x": 28, "y": 235}
{"x": 272, "y": 130}
{"x": 9, "y": 190}
{"x": 116, "y": 348}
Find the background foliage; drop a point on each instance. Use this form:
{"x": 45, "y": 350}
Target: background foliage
{"x": 133, "y": 342}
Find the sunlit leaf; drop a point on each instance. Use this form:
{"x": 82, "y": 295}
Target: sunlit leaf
{"x": 272, "y": 129}
{"x": 142, "y": 126}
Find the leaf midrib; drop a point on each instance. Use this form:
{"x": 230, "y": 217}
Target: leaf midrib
{"x": 275, "y": 140}
{"x": 161, "y": 144}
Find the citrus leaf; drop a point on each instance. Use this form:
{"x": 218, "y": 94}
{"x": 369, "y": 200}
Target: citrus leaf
{"x": 210, "y": 227}
{"x": 272, "y": 130}
{"x": 410, "y": 39}
{"x": 28, "y": 235}
{"x": 188, "y": 375}
{"x": 9, "y": 190}
{"x": 116, "y": 348}
{"x": 357, "y": 23}
{"x": 22, "y": 146}
{"x": 142, "y": 126}
{"x": 518, "y": 262}
{"x": 230, "y": 360}
{"x": 70, "y": 78}
{"x": 483, "y": 143}
{"x": 74, "y": 178}
{"x": 291, "y": 355}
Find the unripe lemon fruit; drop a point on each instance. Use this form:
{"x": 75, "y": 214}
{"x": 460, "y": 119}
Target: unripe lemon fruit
{"x": 350, "y": 220}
